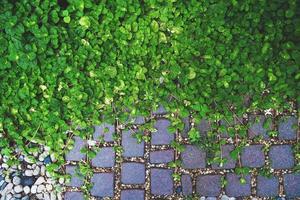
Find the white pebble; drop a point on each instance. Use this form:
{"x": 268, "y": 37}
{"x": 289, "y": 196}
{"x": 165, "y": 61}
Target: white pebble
{"x": 46, "y": 196}
{"x": 53, "y": 159}
{"x": 43, "y": 170}
{"x": 40, "y": 196}
{"x": 4, "y": 165}
{"x": 26, "y": 189}
{"x": 40, "y": 180}
{"x": 41, "y": 189}
{"x": 49, "y": 187}
{"x": 61, "y": 180}
{"x": 36, "y": 171}
{"x": 16, "y": 180}
{"x": 28, "y": 173}
{"x": 33, "y": 189}
{"x": 52, "y": 196}
{"x": 18, "y": 188}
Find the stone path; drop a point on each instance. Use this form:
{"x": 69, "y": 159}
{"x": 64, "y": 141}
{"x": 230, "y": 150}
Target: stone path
{"x": 141, "y": 171}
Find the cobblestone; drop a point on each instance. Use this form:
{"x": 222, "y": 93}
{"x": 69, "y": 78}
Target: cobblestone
{"x": 208, "y": 185}
{"x": 292, "y": 185}
{"x": 104, "y": 158}
{"x": 193, "y": 158}
{"x": 267, "y": 187}
{"x": 164, "y": 156}
{"x": 257, "y": 127}
{"x": 130, "y": 146}
{"x": 281, "y": 157}
{"x": 234, "y": 188}
{"x": 132, "y": 195}
{"x": 230, "y": 163}
{"x": 74, "y": 196}
{"x": 187, "y": 185}
{"x": 161, "y": 181}
{"x": 103, "y": 185}
{"x": 75, "y": 181}
{"x": 106, "y": 131}
{"x": 162, "y": 136}
{"x": 75, "y": 154}
{"x": 287, "y": 128}
{"x": 253, "y": 156}
{"x": 133, "y": 173}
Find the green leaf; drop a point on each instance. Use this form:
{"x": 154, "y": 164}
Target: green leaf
{"x": 85, "y": 22}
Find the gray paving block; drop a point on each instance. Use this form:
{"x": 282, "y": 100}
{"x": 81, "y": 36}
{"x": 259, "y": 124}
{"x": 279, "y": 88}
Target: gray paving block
{"x": 161, "y": 181}
{"x": 103, "y": 185}
{"x": 287, "y": 128}
{"x": 187, "y": 185}
{"x": 132, "y": 194}
{"x": 230, "y": 163}
{"x": 253, "y": 156}
{"x": 162, "y": 136}
{"x": 73, "y": 196}
{"x": 186, "y": 128}
{"x": 104, "y": 130}
{"x": 267, "y": 187}
{"x": 74, "y": 154}
{"x": 160, "y": 110}
{"x": 203, "y": 127}
{"x": 234, "y": 188}
{"x": 163, "y": 156}
{"x": 281, "y": 157}
{"x": 75, "y": 181}
{"x": 139, "y": 120}
{"x": 292, "y": 185}
{"x": 193, "y": 157}
{"x": 130, "y": 145}
{"x": 257, "y": 127}
{"x": 104, "y": 158}
{"x": 133, "y": 173}
{"x": 208, "y": 185}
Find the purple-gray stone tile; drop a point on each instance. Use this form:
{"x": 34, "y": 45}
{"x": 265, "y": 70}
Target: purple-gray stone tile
{"x": 160, "y": 110}
{"x": 287, "y": 128}
{"x": 104, "y": 158}
{"x": 133, "y": 173}
{"x": 104, "y": 130}
{"x": 161, "y": 181}
{"x": 130, "y": 146}
{"x": 193, "y": 157}
{"x": 75, "y": 181}
{"x": 234, "y": 188}
{"x": 187, "y": 185}
{"x": 132, "y": 194}
{"x": 187, "y": 127}
{"x": 103, "y": 185}
{"x": 163, "y": 156}
{"x": 75, "y": 154}
{"x": 267, "y": 187}
{"x": 162, "y": 136}
{"x": 208, "y": 185}
{"x": 139, "y": 120}
{"x": 292, "y": 185}
{"x": 203, "y": 127}
{"x": 253, "y": 156}
{"x": 257, "y": 127}
{"x": 230, "y": 163}
{"x": 281, "y": 157}
{"x": 73, "y": 196}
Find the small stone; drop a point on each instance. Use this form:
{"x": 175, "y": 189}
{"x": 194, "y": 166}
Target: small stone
{"x": 47, "y": 160}
{"x": 61, "y": 180}
{"x": 52, "y": 196}
{"x": 25, "y": 198}
{"x": 40, "y": 180}
{"x": 40, "y": 196}
{"x": 36, "y": 171}
{"x": 43, "y": 170}
{"x": 40, "y": 189}
{"x": 18, "y": 189}
{"x": 53, "y": 159}
{"x": 49, "y": 187}
{"x": 9, "y": 187}
{"x": 26, "y": 189}
{"x": 46, "y": 196}
{"x": 27, "y": 180}
{"x": 28, "y": 173}
{"x": 17, "y": 195}
{"x": 34, "y": 189}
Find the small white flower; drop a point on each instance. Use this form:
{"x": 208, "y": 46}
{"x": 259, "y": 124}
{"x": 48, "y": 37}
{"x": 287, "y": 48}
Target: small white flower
{"x": 91, "y": 142}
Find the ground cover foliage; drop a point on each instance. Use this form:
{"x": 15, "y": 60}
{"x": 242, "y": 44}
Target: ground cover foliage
{"x": 66, "y": 64}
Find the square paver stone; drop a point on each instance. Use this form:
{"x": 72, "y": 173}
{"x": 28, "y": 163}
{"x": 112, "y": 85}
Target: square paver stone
{"x": 253, "y": 156}
{"x": 130, "y": 145}
{"x": 186, "y": 183}
{"x": 104, "y": 158}
{"x": 234, "y": 188}
{"x": 257, "y": 127}
{"x": 292, "y": 185}
{"x": 133, "y": 173}
{"x": 162, "y": 136}
{"x": 103, "y": 185}
{"x": 73, "y": 196}
{"x": 160, "y": 110}
{"x": 281, "y": 157}
{"x": 230, "y": 163}
{"x": 208, "y": 185}
{"x": 163, "y": 156}
{"x": 104, "y": 130}
{"x": 287, "y": 128}
{"x": 132, "y": 194}
{"x": 203, "y": 127}
{"x": 161, "y": 181}
{"x": 267, "y": 187}
{"x": 75, "y": 154}
{"x": 187, "y": 127}
{"x": 75, "y": 181}
{"x": 193, "y": 157}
